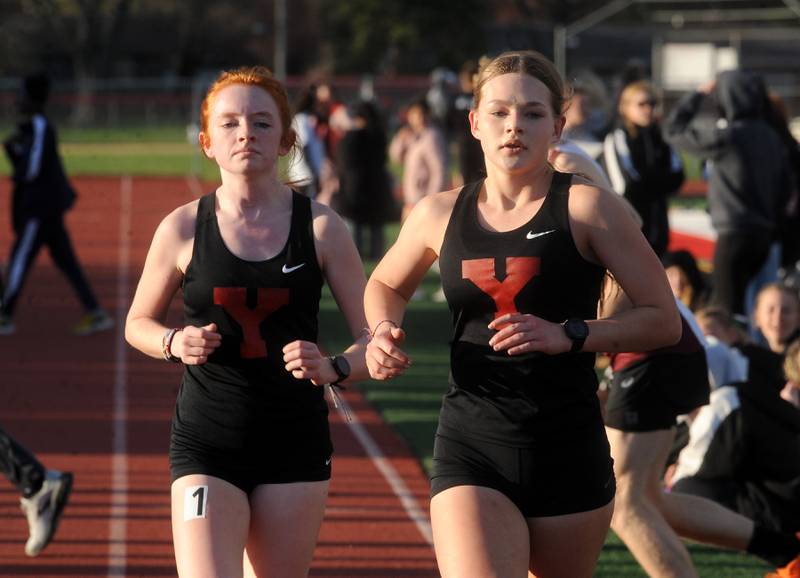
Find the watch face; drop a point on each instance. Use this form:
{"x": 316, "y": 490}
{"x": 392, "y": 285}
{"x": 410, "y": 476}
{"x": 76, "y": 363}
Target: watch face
{"x": 341, "y": 365}
{"x": 576, "y": 329}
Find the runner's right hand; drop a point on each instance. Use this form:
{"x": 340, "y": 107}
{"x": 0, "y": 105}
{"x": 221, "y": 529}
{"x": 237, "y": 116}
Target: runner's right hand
{"x": 194, "y": 344}
{"x": 385, "y": 359}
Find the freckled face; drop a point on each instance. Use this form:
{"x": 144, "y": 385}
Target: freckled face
{"x": 244, "y": 130}
{"x": 515, "y": 122}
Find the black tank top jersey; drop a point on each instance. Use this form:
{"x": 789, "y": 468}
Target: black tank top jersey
{"x": 244, "y": 392}
{"x": 534, "y": 269}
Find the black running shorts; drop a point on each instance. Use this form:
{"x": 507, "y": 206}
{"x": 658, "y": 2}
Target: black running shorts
{"x": 278, "y": 460}
{"x": 550, "y": 481}
{"x": 649, "y": 395}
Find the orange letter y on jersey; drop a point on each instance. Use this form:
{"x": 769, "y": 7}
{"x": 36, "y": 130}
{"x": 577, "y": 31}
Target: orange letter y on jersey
{"x": 234, "y": 301}
{"x": 519, "y": 270}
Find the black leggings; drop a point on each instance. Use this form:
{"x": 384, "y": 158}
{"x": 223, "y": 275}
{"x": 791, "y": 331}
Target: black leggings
{"x": 31, "y": 236}
{"x": 20, "y": 466}
{"x": 738, "y": 257}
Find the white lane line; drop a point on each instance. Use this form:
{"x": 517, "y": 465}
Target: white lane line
{"x": 415, "y": 512}
{"x": 118, "y": 531}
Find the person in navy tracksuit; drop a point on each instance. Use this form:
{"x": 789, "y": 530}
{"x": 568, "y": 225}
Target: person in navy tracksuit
{"x": 42, "y": 194}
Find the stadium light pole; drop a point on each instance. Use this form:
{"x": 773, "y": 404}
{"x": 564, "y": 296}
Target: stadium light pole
{"x": 280, "y": 40}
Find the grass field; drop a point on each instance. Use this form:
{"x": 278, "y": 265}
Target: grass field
{"x": 409, "y": 404}
{"x": 162, "y": 151}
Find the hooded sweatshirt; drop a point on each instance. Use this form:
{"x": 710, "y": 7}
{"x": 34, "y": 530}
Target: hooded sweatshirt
{"x": 749, "y": 183}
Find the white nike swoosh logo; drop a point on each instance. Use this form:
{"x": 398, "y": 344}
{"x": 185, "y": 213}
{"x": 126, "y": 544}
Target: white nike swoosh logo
{"x": 626, "y": 383}
{"x": 286, "y": 269}
{"x": 328, "y": 462}
{"x": 532, "y": 235}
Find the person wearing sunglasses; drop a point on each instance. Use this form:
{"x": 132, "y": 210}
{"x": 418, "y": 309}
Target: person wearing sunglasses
{"x": 640, "y": 164}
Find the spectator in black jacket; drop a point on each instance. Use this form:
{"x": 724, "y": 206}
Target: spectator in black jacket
{"x": 749, "y": 183}
{"x": 365, "y": 186}
{"x": 641, "y": 165}
{"x": 42, "y": 194}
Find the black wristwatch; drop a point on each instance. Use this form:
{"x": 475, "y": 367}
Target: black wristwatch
{"x": 341, "y": 366}
{"x": 578, "y": 331}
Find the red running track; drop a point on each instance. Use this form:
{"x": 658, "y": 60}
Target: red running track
{"x": 94, "y": 406}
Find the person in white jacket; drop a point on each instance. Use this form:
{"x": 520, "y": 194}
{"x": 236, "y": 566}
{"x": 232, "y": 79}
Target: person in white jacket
{"x": 305, "y": 167}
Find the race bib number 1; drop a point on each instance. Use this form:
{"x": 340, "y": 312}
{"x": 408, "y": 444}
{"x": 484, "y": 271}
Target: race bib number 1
{"x": 195, "y": 499}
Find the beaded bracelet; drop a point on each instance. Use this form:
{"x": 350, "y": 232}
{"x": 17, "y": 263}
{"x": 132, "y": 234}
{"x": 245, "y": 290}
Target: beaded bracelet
{"x": 166, "y": 345}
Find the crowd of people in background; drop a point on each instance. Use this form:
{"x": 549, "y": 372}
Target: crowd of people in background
{"x": 734, "y": 125}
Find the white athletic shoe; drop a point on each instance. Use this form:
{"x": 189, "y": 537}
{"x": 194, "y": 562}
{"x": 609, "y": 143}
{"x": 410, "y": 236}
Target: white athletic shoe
{"x": 43, "y": 510}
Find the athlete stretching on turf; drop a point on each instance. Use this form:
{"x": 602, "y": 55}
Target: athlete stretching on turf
{"x": 648, "y": 392}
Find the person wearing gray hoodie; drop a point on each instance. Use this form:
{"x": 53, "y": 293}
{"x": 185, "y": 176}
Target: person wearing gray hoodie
{"x": 749, "y": 181}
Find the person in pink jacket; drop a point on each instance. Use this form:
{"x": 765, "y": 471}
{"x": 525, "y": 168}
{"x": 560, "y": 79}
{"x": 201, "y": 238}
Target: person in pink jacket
{"x": 420, "y": 147}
